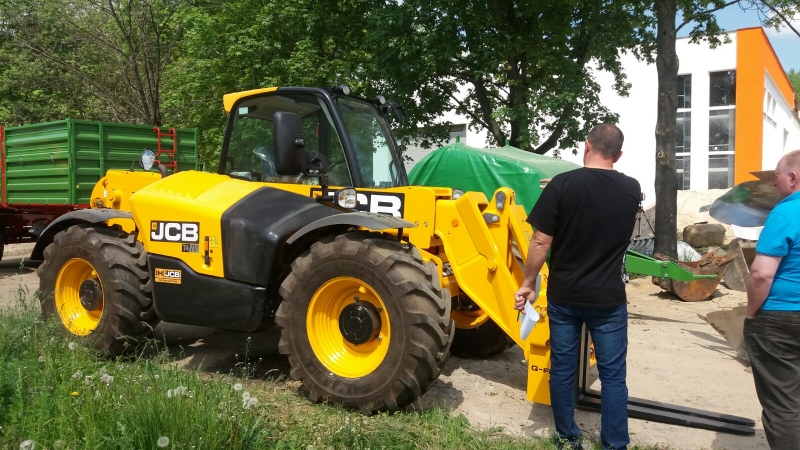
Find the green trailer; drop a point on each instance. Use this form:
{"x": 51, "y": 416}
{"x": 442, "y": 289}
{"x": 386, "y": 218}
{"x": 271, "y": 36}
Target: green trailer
{"x": 51, "y": 168}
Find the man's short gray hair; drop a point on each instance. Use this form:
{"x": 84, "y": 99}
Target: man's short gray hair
{"x": 790, "y": 161}
{"x": 606, "y": 139}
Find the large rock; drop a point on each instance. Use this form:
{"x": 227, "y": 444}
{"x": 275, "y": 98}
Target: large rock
{"x": 704, "y": 234}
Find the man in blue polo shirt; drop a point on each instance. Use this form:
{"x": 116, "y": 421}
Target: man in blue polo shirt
{"x": 772, "y": 325}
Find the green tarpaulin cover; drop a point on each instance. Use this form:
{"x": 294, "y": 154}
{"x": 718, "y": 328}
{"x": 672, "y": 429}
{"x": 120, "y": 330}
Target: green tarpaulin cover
{"x": 460, "y": 166}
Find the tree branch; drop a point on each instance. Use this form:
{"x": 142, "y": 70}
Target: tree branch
{"x": 783, "y": 17}
{"x": 704, "y": 13}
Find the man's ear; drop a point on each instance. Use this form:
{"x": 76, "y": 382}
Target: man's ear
{"x": 619, "y": 155}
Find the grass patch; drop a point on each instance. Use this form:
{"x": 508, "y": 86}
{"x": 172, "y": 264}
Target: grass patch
{"x": 57, "y": 392}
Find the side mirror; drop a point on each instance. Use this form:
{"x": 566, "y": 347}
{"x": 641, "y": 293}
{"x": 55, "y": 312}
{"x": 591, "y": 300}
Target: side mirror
{"x": 147, "y": 160}
{"x": 288, "y": 143}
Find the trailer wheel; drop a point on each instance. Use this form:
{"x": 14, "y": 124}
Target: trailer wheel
{"x": 95, "y": 280}
{"x": 478, "y": 336}
{"x": 365, "y": 322}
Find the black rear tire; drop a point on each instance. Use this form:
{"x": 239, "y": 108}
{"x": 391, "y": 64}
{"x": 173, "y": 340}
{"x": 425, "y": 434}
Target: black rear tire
{"x": 416, "y": 307}
{"x": 485, "y": 340}
{"x": 126, "y": 314}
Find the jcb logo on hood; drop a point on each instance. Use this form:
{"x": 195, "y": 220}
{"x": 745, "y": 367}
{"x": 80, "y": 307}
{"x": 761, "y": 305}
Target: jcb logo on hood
{"x": 376, "y": 202}
{"x": 186, "y": 232}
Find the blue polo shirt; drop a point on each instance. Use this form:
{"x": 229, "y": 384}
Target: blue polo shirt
{"x": 781, "y": 237}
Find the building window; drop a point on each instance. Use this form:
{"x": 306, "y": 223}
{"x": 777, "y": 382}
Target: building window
{"x": 684, "y": 91}
{"x": 683, "y": 131}
{"x": 683, "y": 145}
{"x": 723, "y": 88}
{"x": 720, "y": 171}
{"x": 721, "y": 130}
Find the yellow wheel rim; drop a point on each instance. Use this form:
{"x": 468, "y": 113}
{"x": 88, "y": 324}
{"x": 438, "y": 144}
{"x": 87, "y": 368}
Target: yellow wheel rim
{"x": 469, "y": 319}
{"x": 76, "y": 318}
{"x": 322, "y": 324}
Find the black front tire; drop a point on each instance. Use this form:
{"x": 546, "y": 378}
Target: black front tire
{"x": 417, "y": 307}
{"x": 126, "y": 314}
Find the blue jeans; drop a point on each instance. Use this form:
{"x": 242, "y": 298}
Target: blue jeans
{"x": 609, "y": 331}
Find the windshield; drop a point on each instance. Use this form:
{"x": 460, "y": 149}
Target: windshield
{"x": 377, "y": 157}
{"x": 250, "y": 148}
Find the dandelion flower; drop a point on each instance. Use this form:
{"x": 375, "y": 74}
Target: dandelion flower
{"x": 245, "y": 395}
{"x": 180, "y": 390}
{"x": 163, "y": 441}
{"x": 41, "y": 358}
{"x": 27, "y": 444}
{"x": 237, "y": 387}
{"x": 107, "y": 379}
{"x": 252, "y": 401}
{"x": 74, "y": 393}
{"x": 72, "y": 346}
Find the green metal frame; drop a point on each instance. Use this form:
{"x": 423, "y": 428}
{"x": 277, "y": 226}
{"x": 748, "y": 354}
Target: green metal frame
{"x": 645, "y": 265}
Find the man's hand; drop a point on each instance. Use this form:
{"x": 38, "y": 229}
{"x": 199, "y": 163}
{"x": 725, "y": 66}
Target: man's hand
{"x": 524, "y": 293}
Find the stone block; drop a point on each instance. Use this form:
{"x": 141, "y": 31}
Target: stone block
{"x": 704, "y": 234}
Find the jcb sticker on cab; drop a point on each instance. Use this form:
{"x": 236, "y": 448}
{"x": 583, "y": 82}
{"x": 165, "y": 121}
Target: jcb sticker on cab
{"x": 185, "y": 232}
{"x": 171, "y": 276}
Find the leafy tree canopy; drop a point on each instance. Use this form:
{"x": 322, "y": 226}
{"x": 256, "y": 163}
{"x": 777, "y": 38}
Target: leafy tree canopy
{"x": 525, "y": 64}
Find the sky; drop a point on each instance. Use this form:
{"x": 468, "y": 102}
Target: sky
{"x": 785, "y": 42}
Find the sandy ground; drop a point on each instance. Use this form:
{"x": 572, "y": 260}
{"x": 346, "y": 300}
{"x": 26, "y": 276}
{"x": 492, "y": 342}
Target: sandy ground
{"x": 673, "y": 357}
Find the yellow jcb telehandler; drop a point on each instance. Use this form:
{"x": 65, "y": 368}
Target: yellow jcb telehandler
{"x": 309, "y": 224}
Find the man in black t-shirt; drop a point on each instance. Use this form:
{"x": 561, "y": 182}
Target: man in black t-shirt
{"x": 586, "y": 215}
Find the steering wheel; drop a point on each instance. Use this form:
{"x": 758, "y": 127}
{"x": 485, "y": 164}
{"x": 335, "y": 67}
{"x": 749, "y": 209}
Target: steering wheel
{"x": 338, "y": 163}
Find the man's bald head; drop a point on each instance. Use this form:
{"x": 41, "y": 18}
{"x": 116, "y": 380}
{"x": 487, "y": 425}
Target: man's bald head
{"x": 606, "y": 139}
{"x": 787, "y": 174}
{"x": 789, "y": 162}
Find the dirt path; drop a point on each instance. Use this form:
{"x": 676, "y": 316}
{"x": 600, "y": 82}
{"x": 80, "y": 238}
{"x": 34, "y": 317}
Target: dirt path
{"x": 673, "y": 357}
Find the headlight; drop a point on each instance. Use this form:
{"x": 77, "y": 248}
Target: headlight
{"x": 457, "y": 193}
{"x": 346, "y": 198}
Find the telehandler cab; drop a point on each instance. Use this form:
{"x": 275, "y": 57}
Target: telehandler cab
{"x": 309, "y": 224}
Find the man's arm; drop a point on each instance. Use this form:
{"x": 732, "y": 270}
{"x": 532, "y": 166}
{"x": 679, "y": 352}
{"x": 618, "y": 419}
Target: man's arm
{"x": 762, "y": 272}
{"x": 537, "y": 253}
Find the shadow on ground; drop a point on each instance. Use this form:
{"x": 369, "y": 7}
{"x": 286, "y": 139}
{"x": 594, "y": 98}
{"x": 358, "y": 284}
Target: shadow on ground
{"x": 226, "y": 352}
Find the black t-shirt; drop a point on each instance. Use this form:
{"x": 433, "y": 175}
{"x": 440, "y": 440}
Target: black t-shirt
{"x": 590, "y": 214}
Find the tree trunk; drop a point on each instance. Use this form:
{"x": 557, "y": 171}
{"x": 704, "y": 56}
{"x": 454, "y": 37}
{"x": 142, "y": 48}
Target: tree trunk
{"x": 666, "y": 183}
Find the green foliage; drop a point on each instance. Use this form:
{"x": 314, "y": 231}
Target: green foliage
{"x": 250, "y": 44}
{"x": 86, "y": 59}
{"x": 794, "y": 78}
{"x": 526, "y": 65}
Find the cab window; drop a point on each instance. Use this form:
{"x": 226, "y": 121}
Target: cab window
{"x": 250, "y": 148}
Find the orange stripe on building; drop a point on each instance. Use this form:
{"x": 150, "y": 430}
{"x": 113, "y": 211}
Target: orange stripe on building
{"x": 754, "y": 58}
